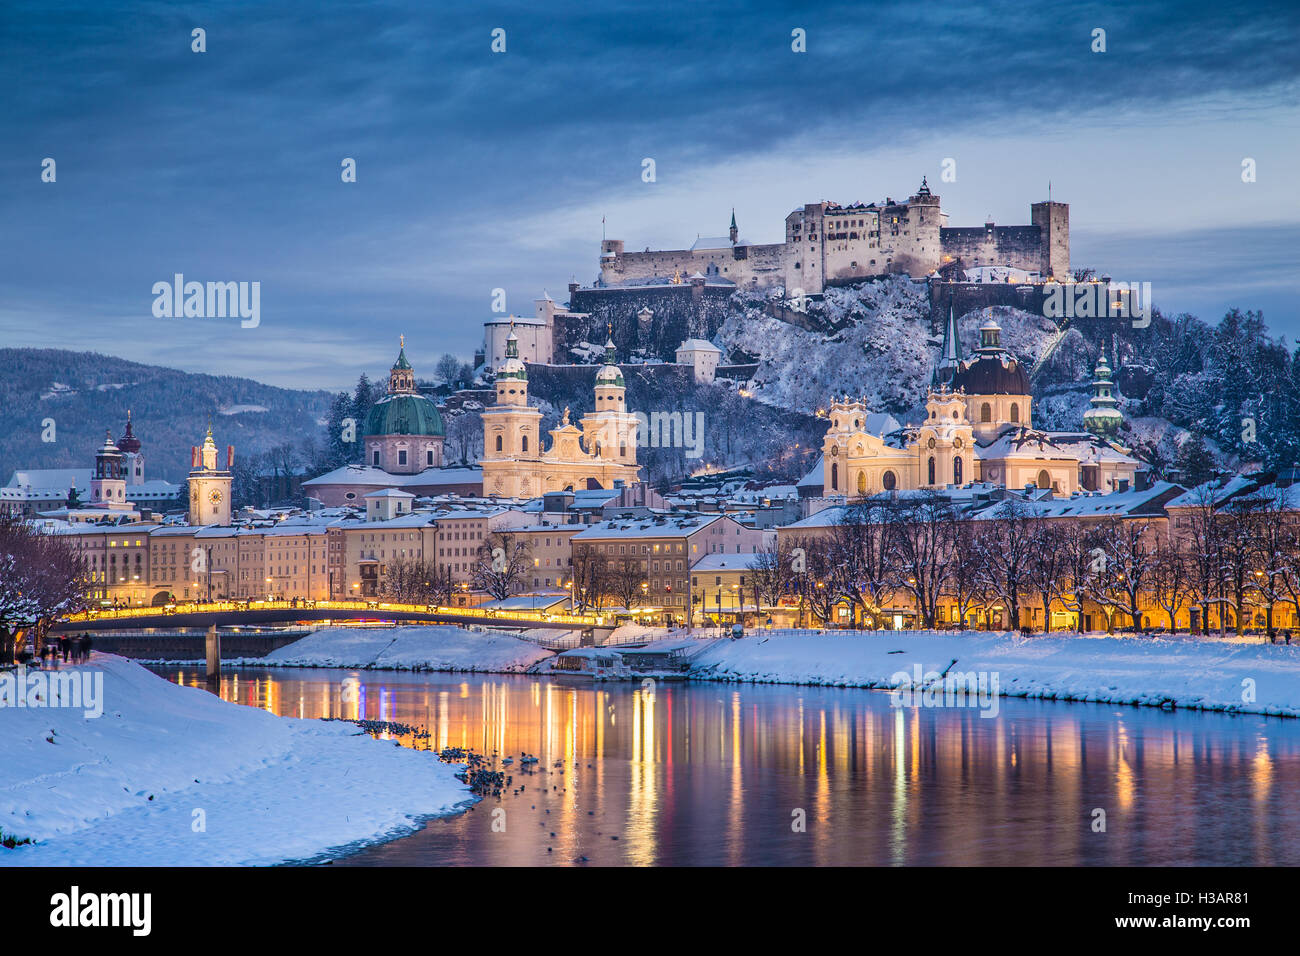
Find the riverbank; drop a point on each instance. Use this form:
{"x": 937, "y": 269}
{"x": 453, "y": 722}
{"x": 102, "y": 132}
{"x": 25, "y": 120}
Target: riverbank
{"x": 420, "y": 648}
{"x": 172, "y": 775}
{"x": 1192, "y": 673}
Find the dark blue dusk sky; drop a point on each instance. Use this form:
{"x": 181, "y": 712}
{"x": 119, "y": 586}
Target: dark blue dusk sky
{"x": 479, "y": 170}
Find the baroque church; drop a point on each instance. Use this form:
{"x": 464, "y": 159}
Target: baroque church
{"x": 599, "y": 452}
{"x": 978, "y": 427}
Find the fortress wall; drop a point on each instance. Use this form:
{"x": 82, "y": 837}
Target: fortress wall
{"x": 680, "y": 312}
{"x": 1017, "y": 246}
{"x": 742, "y": 265}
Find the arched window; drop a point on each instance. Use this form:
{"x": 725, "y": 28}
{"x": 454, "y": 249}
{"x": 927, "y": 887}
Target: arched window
{"x": 835, "y": 477}
{"x": 622, "y": 450}
{"x": 888, "y": 480}
{"x": 1015, "y": 412}
{"x": 956, "y": 470}
{"x": 498, "y": 443}
{"x": 1044, "y": 479}
{"x": 986, "y": 412}
{"x": 525, "y": 437}
{"x": 862, "y": 482}
{"x": 930, "y": 479}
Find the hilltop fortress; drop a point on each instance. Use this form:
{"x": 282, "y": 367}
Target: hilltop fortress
{"x": 827, "y": 244}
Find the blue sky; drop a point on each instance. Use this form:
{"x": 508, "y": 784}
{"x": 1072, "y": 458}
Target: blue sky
{"x": 479, "y": 170}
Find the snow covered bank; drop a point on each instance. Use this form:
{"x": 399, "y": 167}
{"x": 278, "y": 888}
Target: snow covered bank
{"x": 1194, "y": 673}
{"x": 174, "y": 776}
{"x": 429, "y": 648}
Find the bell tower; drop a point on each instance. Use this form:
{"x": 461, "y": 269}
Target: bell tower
{"x": 210, "y": 485}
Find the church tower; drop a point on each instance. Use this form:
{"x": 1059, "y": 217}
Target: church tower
{"x": 1104, "y": 418}
{"x": 209, "y": 484}
{"x": 610, "y": 432}
{"x": 132, "y": 457}
{"x": 735, "y": 233}
{"x": 511, "y": 429}
{"x": 108, "y": 486}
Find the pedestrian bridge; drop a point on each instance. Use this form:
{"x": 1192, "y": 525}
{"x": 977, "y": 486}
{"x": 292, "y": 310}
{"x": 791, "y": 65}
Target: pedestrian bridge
{"x": 225, "y": 613}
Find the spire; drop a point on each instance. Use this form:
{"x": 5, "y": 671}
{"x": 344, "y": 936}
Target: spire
{"x": 951, "y": 341}
{"x": 401, "y": 362}
{"x": 735, "y": 233}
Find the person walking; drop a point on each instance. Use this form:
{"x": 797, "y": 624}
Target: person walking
{"x": 65, "y": 645}
{"x": 85, "y": 647}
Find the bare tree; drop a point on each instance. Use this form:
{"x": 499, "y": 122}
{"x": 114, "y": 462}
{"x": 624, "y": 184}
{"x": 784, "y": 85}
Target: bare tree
{"x": 1170, "y": 581}
{"x": 503, "y": 560}
{"x": 1130, "y": 550}
{"x": 922, "y": 549}
{"x": 43, "y": 576}
{"x": 1005, "y": 544}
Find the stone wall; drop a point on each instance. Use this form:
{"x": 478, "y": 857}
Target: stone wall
{"x": 679, "y": 312}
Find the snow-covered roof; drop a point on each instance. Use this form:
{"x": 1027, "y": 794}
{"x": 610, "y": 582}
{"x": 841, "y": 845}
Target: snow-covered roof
{"x": 389, "y": 493}
{"x": 655, "y": 526}
{"x": 816, "y": 476}
{"x": 369, "y": 475}
{"x": 727, "y": 562}
{"x": 706, "y": 243}
{"x": 698, "y": 345}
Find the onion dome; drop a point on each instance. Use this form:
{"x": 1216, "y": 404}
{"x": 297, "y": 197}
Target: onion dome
{"x": 1104, "y": 417}
{"x": 512, "y": 367}
{"x": 609, "y": 373}
{"x": 128, "y": 442}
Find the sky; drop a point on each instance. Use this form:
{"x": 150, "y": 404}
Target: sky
{"x": 478, "y": 170}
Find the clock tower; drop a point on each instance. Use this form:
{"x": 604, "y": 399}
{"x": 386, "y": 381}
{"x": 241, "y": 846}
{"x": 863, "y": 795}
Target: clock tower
{"x": 210, "y": 485}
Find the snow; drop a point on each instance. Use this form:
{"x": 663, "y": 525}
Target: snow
{"x": 241, "y": 409}
{"x": 421, "y": 648}
{"x": 123, "y": 789}
{"x": 1190, "y": 672}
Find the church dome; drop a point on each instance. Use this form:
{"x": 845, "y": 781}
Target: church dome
{"x": 993, "y": 370}
{"x": 404, "y": 415}
{"x": 992, "y": 375}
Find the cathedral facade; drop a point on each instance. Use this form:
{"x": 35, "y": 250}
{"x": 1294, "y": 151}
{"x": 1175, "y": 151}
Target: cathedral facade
{"x": 598, "y": 452}
{"x": 978, "y": 426}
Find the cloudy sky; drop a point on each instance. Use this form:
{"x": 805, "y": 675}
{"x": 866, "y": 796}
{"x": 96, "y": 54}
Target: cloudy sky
{"x": 478, "y": 170}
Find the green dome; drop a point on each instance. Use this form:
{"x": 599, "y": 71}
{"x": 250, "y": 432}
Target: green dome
{"x": 404, "y": 415}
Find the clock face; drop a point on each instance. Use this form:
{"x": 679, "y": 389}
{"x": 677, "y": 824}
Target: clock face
{"x": 214, "y": 496}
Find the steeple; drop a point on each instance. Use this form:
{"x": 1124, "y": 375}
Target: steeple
{"x": 950, "y": 354}
{"x": 735, "y": 233}
{"x": 401, "y": 378}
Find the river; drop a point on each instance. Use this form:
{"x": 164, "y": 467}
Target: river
{"x": 741, "y": 774}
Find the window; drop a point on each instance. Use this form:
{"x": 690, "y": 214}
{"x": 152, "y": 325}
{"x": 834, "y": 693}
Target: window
{"x": 428, "y": 457}
{"x": 930, "y": 479}
{"x": 525, "y": 440}
{"x": 956, "y": 470}
{"x": 1044, "y": 479}
{"x": 862, "y": 482}
{"x": 376, "y": 458}
{"x": 986, "y": 412}
{"x": 888, "y": 480}
{"x": 835, "y": 477}
{"x": 498, "y": 443}
{"x": 1015, "y": 412}
{"x": 401, "y": 456}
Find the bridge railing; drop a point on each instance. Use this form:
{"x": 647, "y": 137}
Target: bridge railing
{"x": 367, "y": 607}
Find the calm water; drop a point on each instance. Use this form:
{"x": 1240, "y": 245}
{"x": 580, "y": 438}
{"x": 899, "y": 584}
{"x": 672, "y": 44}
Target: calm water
{"x": 715, "y": 774}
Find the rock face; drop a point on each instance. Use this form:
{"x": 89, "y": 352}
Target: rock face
{"x": 646, "y": 321}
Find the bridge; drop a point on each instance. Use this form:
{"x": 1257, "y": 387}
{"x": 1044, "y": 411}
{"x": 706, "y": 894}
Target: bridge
{"x": 253, "y": 613}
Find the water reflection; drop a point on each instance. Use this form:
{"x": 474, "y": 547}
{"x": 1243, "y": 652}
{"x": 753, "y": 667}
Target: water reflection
{"x": 716, "y": 774}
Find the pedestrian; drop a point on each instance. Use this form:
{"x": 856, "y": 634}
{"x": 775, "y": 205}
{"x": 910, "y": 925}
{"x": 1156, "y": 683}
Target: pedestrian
{"x": 65, "y": 645}
{"x": 85, "y": 647}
